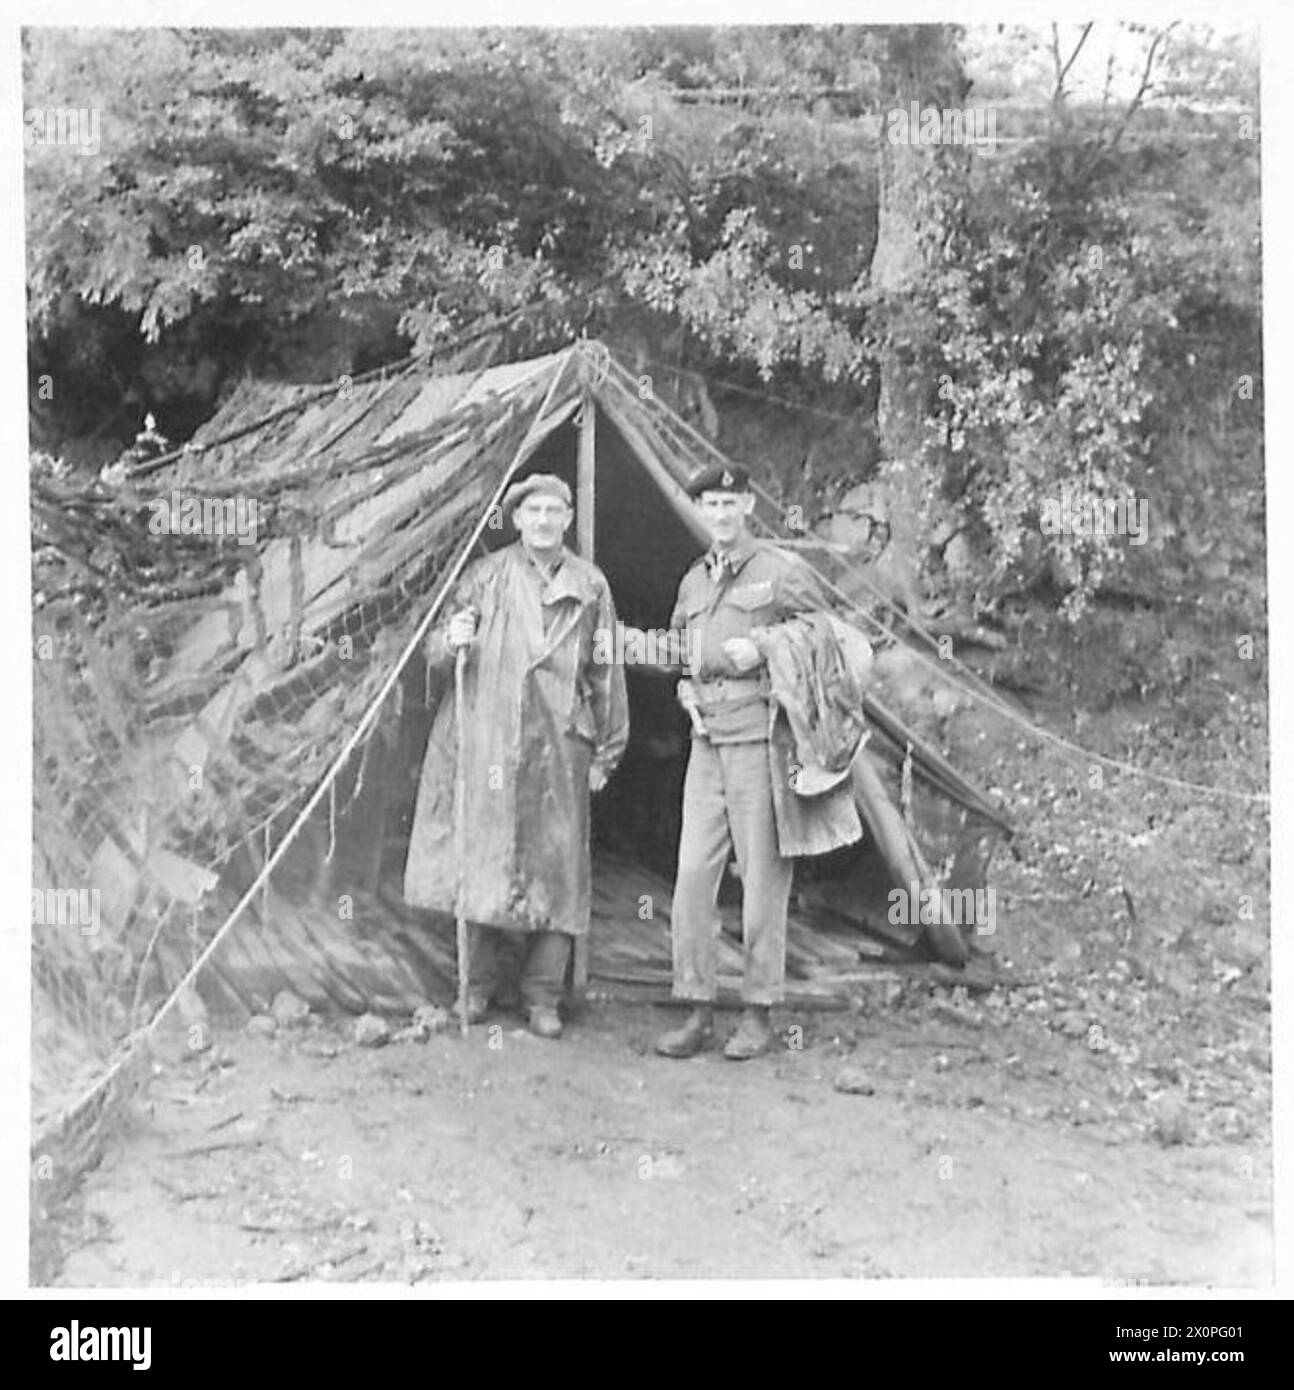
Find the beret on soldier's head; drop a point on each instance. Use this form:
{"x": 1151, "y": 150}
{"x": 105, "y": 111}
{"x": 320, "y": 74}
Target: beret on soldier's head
{"x": 722, "y": 477}
{"x": 547, "y": 483}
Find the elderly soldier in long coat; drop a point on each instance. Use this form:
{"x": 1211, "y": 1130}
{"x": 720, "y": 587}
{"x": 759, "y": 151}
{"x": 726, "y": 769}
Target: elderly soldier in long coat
{"x": 546, "y": 724}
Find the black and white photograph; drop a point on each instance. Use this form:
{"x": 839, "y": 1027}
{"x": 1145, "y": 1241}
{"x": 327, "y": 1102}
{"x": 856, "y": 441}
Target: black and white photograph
{"x": 649, "y": 654}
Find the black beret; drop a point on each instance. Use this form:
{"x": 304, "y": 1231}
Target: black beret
{"x": 722, "y": 477}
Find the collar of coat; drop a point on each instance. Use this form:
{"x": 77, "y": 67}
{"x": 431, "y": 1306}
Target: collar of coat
{"x": 568, "y": 578}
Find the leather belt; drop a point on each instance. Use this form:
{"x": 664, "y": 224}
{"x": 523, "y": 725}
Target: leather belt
{"x": 720, "y": 688}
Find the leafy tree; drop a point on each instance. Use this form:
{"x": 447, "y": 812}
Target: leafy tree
{"x": 277, "y": 200}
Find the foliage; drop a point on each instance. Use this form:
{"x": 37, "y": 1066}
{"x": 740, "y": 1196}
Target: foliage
{"x": 278, "y": 201}
{"x": 1088, "y": 302}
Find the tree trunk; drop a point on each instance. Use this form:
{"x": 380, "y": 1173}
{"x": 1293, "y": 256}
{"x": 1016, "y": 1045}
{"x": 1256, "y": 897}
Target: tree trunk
{"x": 922, "y": 65}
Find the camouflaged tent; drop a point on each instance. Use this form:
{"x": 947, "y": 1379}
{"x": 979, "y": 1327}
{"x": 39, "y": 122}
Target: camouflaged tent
{"x": 229, "y": 729}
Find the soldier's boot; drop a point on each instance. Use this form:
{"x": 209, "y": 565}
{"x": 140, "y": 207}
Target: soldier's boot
{"x": 545, "y": 1021}
{"x": 754, "y": 1036}
{"x": 697, "y": 1033}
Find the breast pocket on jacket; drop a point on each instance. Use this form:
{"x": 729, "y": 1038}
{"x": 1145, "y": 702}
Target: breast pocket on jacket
{"x": 752, "y": 597}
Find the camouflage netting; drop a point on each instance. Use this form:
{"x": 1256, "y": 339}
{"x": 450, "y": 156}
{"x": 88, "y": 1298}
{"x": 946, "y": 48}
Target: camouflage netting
{"x": 191, "y": 692}
{"x": 197, "y": 697}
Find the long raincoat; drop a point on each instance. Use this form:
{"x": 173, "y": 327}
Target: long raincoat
{"x": 540, "y": 711}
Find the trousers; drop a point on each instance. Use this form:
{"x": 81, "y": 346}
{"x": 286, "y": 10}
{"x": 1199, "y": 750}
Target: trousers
{"x": 728, "y": 805}
{"x": 544, "y": 956}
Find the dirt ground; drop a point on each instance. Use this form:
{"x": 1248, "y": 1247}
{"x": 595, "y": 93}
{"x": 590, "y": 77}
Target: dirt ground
{"x": 1093, "y": 1100}
{"x": 986, "y": 1148}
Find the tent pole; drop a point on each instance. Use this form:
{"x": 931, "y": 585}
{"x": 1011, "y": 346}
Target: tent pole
{"x": 671, "y": 489}
{"x": 585, "y": 501}
{"x": 461, "y": 941}
{"x": 585, "y": 493}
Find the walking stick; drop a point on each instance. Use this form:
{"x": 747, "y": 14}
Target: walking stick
{"x": 460, "y": 837}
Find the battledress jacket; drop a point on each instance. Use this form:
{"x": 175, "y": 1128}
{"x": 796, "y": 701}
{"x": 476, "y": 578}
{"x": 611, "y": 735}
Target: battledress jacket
{"x": 539, "y": 712}
{"x": 772, "y": 598}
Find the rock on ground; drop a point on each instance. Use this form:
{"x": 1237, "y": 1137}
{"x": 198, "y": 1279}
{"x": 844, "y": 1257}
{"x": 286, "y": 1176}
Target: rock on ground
{"x": 428, "y": 1020}
{"x": 371, "y": 1031}
{"x": 289, "y": 1009}
{"x": 854, "y": 1080}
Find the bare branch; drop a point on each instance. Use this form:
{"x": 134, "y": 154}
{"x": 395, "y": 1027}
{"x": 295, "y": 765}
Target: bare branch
{"x": 1057, "y": 110}
{"x": 1143, "y": 87}
{"x": 1100, "y": 148}
{"x": 1078, "y": 48}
